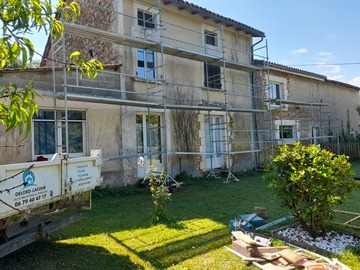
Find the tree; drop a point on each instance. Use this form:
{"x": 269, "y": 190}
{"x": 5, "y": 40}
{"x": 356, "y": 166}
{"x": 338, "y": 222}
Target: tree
{"x": 159, "y": 194}
{"x": 19, "y": 19}
{"x": 310, "y": 181}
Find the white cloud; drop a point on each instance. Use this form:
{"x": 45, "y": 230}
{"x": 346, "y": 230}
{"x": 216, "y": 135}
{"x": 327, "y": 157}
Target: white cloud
{"x": 355, "y": 81}
{"x": 299, "y": 51}
{"x": 324, "y": 57}
{"x": 337, "y": 78}
{"x": 334, "y": 69}
{"x": 331, "y": 35}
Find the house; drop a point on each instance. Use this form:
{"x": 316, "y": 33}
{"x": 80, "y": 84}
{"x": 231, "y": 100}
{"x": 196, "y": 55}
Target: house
{"x": 180, "y": 91}
{"x": 304, "y": 106}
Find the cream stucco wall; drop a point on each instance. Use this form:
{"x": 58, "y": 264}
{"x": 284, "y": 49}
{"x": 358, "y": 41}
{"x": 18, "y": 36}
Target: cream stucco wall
{"x": 342, "y": 101}
{"x": 112, "y": 128}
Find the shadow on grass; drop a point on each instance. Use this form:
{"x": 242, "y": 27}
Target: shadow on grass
{"x": 53, "y": 256}
{"x": 181, "y": 250}
{"x": 198, "y": 198}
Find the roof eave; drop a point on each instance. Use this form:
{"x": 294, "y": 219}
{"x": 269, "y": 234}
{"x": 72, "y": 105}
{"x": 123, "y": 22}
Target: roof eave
{"x": 217, "y": 18}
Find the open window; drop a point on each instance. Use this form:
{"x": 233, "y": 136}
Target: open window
{"x": 212, "y": 76}
{"x": 211, "y": 38}
{"x": 277, "y": 91}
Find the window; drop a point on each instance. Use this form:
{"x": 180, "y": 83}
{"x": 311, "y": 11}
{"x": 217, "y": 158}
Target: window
{"x": 46, "y": 130}
{"x": 214, "y": 140}
{"x": 287, "y": 132}
{"x": 274, "y": 90}
{"x": 212, "y": 76}
{"x": 277, "y": 91}
{"x": 146, "y": 64}
{"x": 210, "y": 38}
{"x": 145, "y": 19}
{"x": 148, "y": 138}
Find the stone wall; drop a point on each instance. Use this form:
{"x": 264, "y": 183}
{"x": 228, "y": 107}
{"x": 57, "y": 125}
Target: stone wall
{"x": 97, "y": 14}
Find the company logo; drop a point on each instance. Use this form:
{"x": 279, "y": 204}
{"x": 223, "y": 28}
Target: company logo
{"x": 29, "y": 179}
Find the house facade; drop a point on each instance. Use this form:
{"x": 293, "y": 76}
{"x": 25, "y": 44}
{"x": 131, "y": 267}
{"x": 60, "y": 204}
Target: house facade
{"x": 305, "y": 106}
{"x": 176, "y": 91}
{"x": 180, "y": 91}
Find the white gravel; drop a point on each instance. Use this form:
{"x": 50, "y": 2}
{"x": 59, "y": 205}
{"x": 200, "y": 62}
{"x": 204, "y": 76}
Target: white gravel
{"x": 333, "y": 242}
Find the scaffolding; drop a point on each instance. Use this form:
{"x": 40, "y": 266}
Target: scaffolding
{"x": 309, "y": 120}
{"x": 234, "y": 100}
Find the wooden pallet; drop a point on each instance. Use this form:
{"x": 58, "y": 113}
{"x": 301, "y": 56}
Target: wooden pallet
{"x": 347, "y": 223}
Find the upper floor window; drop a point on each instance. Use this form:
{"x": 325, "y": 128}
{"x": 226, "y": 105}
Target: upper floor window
{"x": 145, "y": 19}
{"x": 47, "y": 129}
{"x": 210, "y": 38}
{"x": 212, "y": 76}
{"x": 277, "y": 91}
{"x": 274, "y": 90}
{"x": 146, "y": 64}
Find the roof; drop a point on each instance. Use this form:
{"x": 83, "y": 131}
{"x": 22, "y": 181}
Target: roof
{"x": 305, "y": 73}
{"x": 217, "y": 18}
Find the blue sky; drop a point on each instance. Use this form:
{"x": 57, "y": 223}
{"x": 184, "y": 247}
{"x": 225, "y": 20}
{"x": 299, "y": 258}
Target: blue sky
{"x": 306, "y": 34}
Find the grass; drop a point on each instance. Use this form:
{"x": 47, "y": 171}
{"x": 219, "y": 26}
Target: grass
{"x": 117, "y": 233}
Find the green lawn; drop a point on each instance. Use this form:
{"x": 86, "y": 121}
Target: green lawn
{"x": 117, "y": 234}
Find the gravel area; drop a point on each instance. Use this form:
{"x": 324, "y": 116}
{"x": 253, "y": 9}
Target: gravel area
{"x": 333, "y": 242}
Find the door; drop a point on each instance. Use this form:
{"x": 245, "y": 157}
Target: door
{"x": 214, "y": 135}
{"x": 148, "y": 140}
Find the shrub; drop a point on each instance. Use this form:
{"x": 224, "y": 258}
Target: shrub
{"x": 310, "y": 181}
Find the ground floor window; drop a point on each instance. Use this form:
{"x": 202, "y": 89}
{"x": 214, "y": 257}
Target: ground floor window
{"x": 287, "y": 130}
{"x": 214, "y": 138}
{"x": 148, "y": 139}
{"x": 49, "y": 132}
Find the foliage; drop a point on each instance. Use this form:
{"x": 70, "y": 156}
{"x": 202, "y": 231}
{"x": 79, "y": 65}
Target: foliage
{"x": 159, "y": 194}
{"x": 19, "y": 20}
{"x": 19, "y": 108}
{"x": 310, "y": 181}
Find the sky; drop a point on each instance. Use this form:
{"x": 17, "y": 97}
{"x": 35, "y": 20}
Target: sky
{"x": 320, "y": 36}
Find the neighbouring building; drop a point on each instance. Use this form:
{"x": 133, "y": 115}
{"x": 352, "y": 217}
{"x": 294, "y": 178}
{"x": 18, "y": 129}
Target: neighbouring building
{"x": 180, "y": 90}
{"x": 304, "y": 106}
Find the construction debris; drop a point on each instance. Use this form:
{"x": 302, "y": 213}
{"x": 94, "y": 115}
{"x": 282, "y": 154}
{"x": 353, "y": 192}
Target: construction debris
{"x": 261, "y": 212}
{"x": 246, "y": 222}
{"x": 269, "y": 257}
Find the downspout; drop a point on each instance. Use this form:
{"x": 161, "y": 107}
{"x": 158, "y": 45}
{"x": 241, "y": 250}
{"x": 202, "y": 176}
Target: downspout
{"x": 254, "y": 107}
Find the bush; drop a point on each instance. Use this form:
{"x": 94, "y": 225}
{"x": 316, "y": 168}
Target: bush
{"x": 310, "y": 181}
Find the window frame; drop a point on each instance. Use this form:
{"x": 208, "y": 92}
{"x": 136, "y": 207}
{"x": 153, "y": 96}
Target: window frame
{"x": 277, "y": 90}
{"x": 147, "y": 135}
{"x": 145, "y": 64}
{"x": 58, "y": 131}
{"x": 146, "y": 19}
{"x": 280, "y": 124}
{"x": 211, "y": 36}
{"x": 287, "y": 130}
{"x": 281, "y": 96}
{"x": 212, "y": 71}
